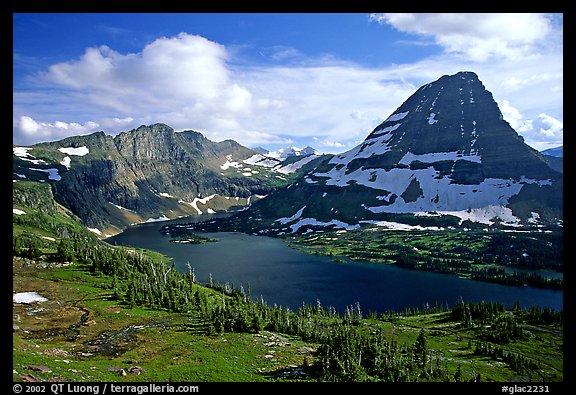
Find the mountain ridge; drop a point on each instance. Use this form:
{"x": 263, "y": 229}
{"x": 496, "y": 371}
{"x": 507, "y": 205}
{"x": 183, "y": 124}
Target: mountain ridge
{"x": 446, "y": 151}
{"x": 146, "y": 174}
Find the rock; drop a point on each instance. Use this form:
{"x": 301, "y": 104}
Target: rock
{"x": 137, "y": 370}
{"x": 30, "y": 378}
{"x": 129, "y": 169}
{"x": 55, "y": 352}
{"x": 39, "y": 368}
{"x": 306, "y": 350}
{"x": 15, "y": 328}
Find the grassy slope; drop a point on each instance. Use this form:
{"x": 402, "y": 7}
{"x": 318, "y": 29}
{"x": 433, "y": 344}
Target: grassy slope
{"x": 175, "y": 347}
{"x": 169, "y": 347}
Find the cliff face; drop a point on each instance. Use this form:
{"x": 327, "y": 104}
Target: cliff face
{"x": 144, "y": 174}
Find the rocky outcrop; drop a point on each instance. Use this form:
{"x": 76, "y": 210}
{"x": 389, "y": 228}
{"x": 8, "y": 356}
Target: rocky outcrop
{"x": 147, "y": 173}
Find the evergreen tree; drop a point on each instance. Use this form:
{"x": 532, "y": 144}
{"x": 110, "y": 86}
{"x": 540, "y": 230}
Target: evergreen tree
{"x": 421, "y": 351}
{"x": 458, "y": 374}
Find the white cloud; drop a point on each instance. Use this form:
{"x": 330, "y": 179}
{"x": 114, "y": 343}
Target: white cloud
{"x": 543, "y": 132}
{"x": 514, "y": 118}
{"x": 190, "y": 82}
{"x": 550, "y": 126}
{"x": 34, "y": 130}
{"x": 476, "y": 36}
{"x": 168, "y": 71}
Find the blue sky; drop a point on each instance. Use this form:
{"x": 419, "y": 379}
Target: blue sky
{"x": 274, "y": 80}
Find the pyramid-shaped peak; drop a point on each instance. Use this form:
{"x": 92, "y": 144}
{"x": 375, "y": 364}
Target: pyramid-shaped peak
{"x": 453, "y": 125}
{"x": 459, "y": 76}
{"x": 466, "y": 74}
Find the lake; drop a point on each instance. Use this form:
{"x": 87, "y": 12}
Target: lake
{"x": 270, "y": 269}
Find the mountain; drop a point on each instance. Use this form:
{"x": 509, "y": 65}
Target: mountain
{"x": 554, "y": 158}
{"x": 445, "y": 156}
{"x": 287, "y": 152}
{"x": 446, "y": 152}
{"x": 147, "y": 174}
{"x": 556, "y": 152}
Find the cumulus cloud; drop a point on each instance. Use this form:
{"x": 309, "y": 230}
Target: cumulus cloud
{"x": 514, "y": 117}
{"x": 190, "y": 82}
{"x": 32, "y": 130}
{"x": 477, "y": 36}
{"x": 550, "y": 126}
{"x": 168, "y": 71}
{"x": 544, "y": 131}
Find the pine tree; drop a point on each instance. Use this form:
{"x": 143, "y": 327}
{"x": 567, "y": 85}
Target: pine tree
{"x": 458, "y": 374}
{"x": 421, "y": 351}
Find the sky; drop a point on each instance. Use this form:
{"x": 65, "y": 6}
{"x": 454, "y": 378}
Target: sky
{"x": 324, "y": 80}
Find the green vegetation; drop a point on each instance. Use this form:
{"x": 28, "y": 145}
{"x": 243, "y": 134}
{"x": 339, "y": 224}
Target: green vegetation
{"x": 89, "y": 331}
{"x": 497, "y": 256}
{"x": 192, "y": 238}
{"x": 124, "y": 314}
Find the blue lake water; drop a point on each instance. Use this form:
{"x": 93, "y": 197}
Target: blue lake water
{"x": 283, "y": 276}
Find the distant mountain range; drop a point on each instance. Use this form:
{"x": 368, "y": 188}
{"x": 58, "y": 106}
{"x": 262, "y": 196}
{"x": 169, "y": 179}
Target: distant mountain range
{"x": 556, "y": 152}
{"x": 445, "y": 154}
{"x": 287, "y": 152}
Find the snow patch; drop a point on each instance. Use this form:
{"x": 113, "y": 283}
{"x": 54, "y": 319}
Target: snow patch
{"x": 438, "y": 156}
{"x": 486, "y": 215}
{"x": 261, "y": 160}
{"x": 400, "y": 226}
{"x": 77, "y": 151}
{"x": 230, "y": 163}
{"x": 28, "y": 297}
{"x": 122, "y": 208}
{"x": 286, "y": 220}
{"x": 159, "y": 219}
{"x": 22, "y": 153}
{"x": 534, "y": 218}
{"x": 200, "y": 200}
{"x": 397, "y": 116}
{"x": 314, "y": 222}
{"x": 66, "y": 162}
{"x": 18, "y": 211}
{"x": 292, "y": 167}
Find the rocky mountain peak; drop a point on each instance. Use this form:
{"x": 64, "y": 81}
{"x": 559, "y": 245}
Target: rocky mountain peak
{"x": 446, "y": 149}
{"x": 451, "y": 121}
{"x": 153, "y": 142}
